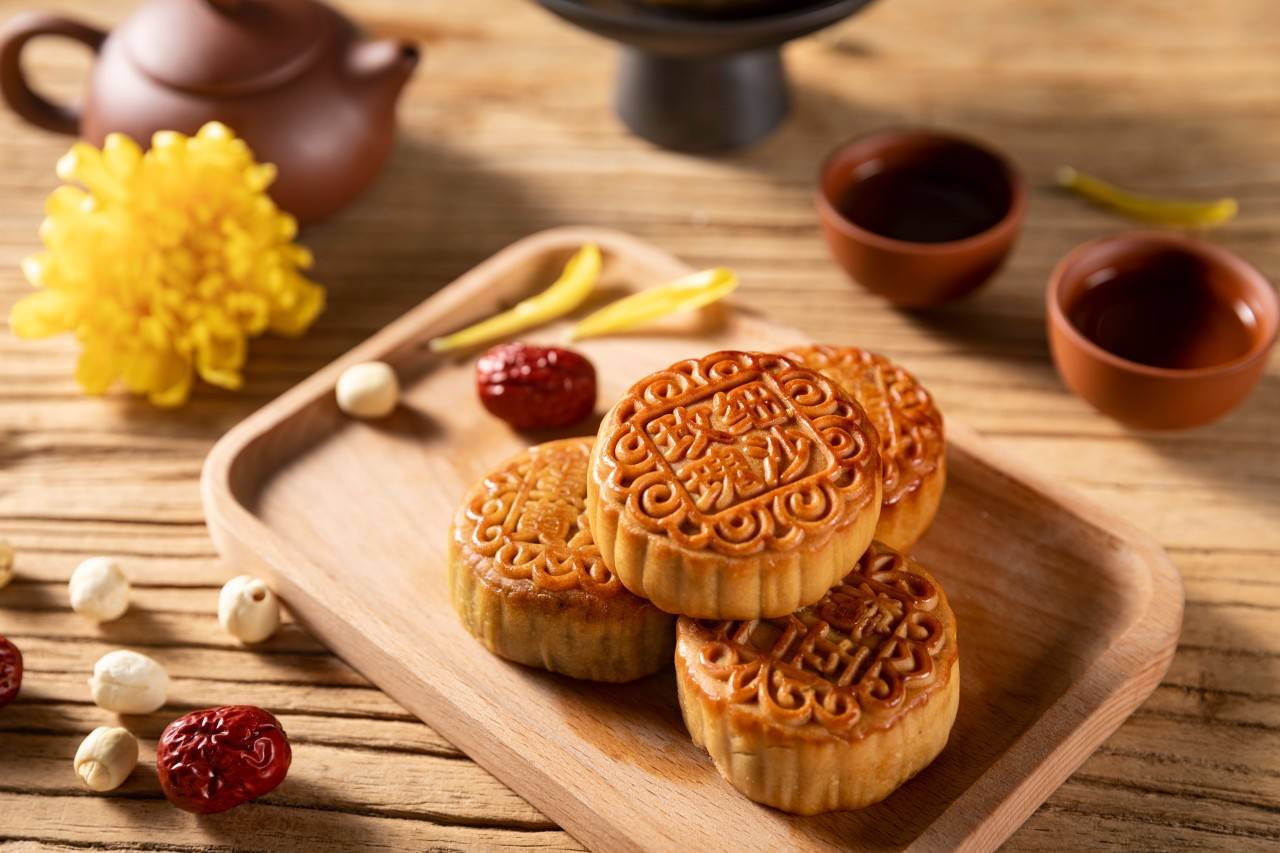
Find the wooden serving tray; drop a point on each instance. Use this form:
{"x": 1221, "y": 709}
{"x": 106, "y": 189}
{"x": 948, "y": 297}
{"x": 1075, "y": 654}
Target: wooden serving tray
{"x": 1068, "y": 617}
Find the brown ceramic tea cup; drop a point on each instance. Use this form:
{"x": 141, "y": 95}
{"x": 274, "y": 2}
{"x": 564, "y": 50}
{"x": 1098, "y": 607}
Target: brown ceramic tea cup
{"x": 1160, "y": 331}
{"x": 919, "y": 217}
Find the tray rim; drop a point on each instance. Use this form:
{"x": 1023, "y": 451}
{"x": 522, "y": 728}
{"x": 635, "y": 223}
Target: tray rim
{"x": 1112, "y": 687}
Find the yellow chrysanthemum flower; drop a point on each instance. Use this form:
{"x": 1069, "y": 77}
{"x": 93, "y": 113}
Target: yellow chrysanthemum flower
{"x": 166, "y": 263}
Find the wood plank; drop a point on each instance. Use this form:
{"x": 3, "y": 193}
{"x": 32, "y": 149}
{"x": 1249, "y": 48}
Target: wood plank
{"x": 71, "y": 819}
{"x": 508, "y": 129}
{"x": 347, "y": 779}
{"x": 404, "y": 733}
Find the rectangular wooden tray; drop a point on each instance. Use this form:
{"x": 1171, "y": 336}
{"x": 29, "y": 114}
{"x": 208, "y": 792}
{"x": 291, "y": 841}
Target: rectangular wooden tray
{"x": 1068, "y": 618}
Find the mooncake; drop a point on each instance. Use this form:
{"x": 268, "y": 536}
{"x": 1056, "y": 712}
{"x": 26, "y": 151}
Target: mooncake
{"x": 527, "y": 580}
{"x": 734, "y": 486}
{"x": 834, "y": 706}
{"x": 912, "y": 444}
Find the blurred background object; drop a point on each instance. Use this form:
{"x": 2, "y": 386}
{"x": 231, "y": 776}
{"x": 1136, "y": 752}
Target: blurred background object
{"x": 919, "y": 217}
{"x": 1159, "y": 330}
{"x": 294, "y": 78}
{"x": 703, "y": 82}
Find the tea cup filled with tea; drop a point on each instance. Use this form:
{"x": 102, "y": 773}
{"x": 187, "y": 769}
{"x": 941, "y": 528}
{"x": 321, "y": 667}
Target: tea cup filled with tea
{"x": 919, "y": 217}
{"x": 1160, "y": 331}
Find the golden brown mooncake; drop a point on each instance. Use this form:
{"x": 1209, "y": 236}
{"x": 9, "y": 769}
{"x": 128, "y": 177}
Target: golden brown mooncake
{"x": 834, "y": 706}
{"x": 734, "y": 486}
{"x": 527, "y": 579}
{"x": 913, "y": 448}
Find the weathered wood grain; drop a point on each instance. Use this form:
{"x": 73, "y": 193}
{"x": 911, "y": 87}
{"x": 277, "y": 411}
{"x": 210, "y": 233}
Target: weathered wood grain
{"x": 508, "y": 130}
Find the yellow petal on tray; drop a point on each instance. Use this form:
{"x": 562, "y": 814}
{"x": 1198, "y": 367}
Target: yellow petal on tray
{"x": 575, "y": 283}
{"x": 1190, "y": 214}
{"x": 686, "y": 293}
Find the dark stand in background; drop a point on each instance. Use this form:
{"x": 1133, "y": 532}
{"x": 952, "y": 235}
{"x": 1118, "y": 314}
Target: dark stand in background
{"x": 699, "y": 83}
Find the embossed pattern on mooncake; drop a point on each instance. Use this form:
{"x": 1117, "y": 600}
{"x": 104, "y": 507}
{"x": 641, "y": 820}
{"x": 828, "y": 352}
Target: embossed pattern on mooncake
{"x": 527, "y": 520}
{"x": 738, "y": 453}
{"x": 526, "y": 577}
{"x": 877, "y": 644}
{"x": 909, "y": 424}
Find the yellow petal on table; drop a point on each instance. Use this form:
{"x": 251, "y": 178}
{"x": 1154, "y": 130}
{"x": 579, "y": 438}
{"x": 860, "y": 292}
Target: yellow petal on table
{"x": 577, "y": 281}
{"x": 1179, "y": 212}
{"x": 685, "y": 294}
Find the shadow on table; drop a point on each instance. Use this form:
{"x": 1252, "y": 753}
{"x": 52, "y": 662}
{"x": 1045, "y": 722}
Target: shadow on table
{"x": 1212, "y": 685}
{"x": 1236, "y": 453}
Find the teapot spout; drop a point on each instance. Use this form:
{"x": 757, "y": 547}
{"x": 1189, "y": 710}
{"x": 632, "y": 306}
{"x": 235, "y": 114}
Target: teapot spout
{"x": 383, "y": 66}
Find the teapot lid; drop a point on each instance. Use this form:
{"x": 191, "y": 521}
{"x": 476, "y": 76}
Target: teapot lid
{"x": 225, "y": 46}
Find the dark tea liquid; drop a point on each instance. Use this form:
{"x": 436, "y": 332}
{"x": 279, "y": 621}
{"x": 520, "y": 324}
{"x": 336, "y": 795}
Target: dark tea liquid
{"x": 1164, "y": 313}
{"x": 926, "y": 203}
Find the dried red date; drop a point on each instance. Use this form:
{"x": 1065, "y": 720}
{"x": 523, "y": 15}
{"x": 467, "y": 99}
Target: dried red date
{"x": 533, "y": 387}
{"x": 213, "y": 760}
{"x": 10, "y": 671}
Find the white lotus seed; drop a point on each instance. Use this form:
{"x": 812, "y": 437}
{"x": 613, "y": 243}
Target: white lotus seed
{"x": 128, "y": 683}
{"x": 6, "y": 563}
{"x": 248, "y": 610}
{"x": 99, "y": 589}
{"x": 106, "y": 758}
{"x": 368, "y": 390}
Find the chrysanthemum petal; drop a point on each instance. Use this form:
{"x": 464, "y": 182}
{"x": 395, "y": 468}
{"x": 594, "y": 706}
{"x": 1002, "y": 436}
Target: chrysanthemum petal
{"x": 41, "y": 314}
{"x": 166, "y": 141}
{"x": 303, "y": 305}
{"x": 97, "y": 368}
{"x": 66, "y": 200}
{"x": 33, "y": 270}
{"x": 215, "y": 130}
{"x": 173, "y": 386}
{"x": 262, "y": 176}
{"x": 220, "y": 352}
{"x": 250, "y": 310}
{"x": 88, "y": 166}
{"x": 121, "y": 154}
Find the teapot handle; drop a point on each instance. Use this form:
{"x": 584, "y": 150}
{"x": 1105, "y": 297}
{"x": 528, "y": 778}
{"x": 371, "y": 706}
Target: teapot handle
{"x": 24, "y": 100}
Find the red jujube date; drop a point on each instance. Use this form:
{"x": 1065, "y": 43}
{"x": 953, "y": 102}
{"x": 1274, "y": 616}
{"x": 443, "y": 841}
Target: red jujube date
{"x": 534, "y": 387}
{"x": 10, "y": 671}
{"x": 219, "y": 758}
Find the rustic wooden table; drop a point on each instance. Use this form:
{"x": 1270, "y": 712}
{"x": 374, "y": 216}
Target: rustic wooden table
{"x": 507, "y": 130}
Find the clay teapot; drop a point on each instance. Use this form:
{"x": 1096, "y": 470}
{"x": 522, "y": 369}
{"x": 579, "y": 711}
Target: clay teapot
{"x": 294, "y": 78}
